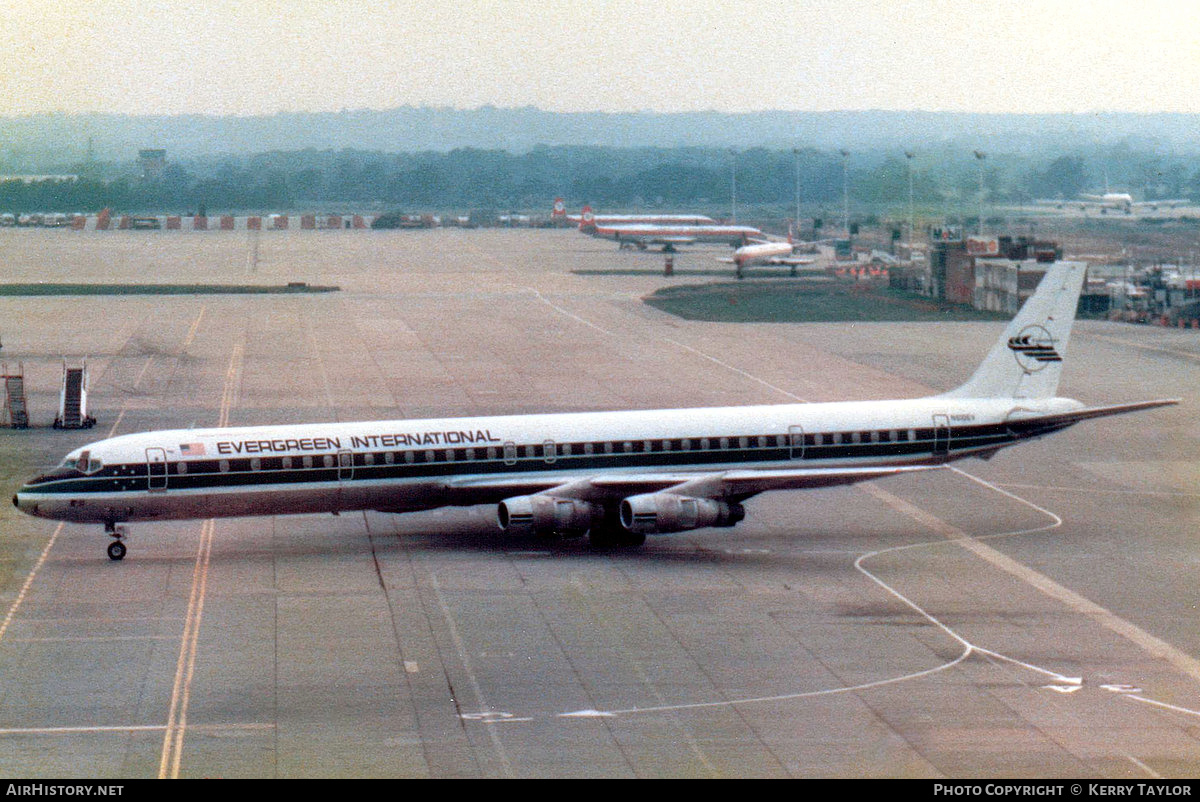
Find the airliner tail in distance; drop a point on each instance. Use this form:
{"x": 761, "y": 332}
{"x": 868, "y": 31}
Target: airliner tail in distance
{"x": 615, "y": 477}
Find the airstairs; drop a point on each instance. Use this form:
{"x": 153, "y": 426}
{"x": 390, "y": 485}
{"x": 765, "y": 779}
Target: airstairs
{"x": 72, "y": 400}
{"x": 16, "y": 411}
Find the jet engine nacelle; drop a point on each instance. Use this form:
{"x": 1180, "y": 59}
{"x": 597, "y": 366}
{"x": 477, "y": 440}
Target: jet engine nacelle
{"x": 547, "y": 515}
{"x": 660, "y": 513}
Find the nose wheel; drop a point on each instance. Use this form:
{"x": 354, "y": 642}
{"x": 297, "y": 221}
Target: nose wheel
{"x": 116, "y": 549}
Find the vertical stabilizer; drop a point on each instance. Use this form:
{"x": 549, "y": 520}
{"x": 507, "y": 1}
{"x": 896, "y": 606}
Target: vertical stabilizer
{"x": 1026, "y": 362}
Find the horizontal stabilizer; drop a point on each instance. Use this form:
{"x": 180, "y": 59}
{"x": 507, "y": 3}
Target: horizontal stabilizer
{"x": 1088, "y": 413}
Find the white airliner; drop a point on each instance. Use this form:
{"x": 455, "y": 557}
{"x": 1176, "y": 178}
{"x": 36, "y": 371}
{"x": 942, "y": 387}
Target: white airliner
{"x": 587, "y": 219}
{"x": 1119, "y": 201}
{"x": 670, "y": 235}
{"x": 771, "y": 252}
{"x": 615, "y": 476}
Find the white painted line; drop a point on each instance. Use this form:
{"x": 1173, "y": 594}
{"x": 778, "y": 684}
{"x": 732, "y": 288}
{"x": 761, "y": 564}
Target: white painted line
{"x": 1144, "y": 767}
{"x": 739, "y": 371}
{"x": 124, "y": 728}
{"x": 16, "y": 605}
{"x": 1165, "y": 706}
{"x": 1102, "y": 491}
{"x": 465, "y": 660}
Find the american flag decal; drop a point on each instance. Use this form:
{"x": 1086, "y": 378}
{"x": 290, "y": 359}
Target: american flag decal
{"x": 192, "y": 449}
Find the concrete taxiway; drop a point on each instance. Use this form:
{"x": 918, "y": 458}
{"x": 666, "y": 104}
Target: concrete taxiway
{"x": 1031, "y": 616}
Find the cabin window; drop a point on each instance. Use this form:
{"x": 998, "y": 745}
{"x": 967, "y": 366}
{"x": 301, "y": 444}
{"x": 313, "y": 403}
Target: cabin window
{"x": 368, "y": 459}
{"x": 307, "y": 461}
{"x": 287, "y": 462}
{"x": 743, "y": 442}
{"x": 666, "y": 445}
{"x": 912, "y": 435}
{"x": 389, "y": 457}
{"x": 779, "y": 441}
{"x": 704, "y": 444}
{"x": 685, "y": 444}
{"x": 724, "y": 443}
{"x": 256, "y": 464}
{"x": 223, "y": 466}
{"x": 181, "y": 468}
{"x": 430, "y": 456}
{"x": 628, "y": 447}
{"x": 588, "y": 448}
{"x": 327, "y": 460}
{"x": 491, "y": 452}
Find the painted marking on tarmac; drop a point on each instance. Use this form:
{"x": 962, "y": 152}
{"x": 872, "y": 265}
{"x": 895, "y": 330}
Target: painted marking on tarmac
{"x": 676, "y": 343}
{"x": 1103, "y": 491}
{"x": 738, "y": 371}
{"x": 16, "y": 605}
{"x": 172, "y": 750}
{"x": 494, "y": 717}
{"x": 1137, "y": 697}
{"x": 465, "y": 660}
{"x": 126, "y": 728}
{"x": 1144, "y": 767}
{"x": 1155, "y": 647}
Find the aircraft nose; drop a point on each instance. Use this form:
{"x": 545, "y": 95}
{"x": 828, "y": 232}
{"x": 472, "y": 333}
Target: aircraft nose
{"x": 24, "y": 504}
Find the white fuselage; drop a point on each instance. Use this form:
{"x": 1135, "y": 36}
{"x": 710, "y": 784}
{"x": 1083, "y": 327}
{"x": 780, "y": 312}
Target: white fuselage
{"x": 408, "y": 465}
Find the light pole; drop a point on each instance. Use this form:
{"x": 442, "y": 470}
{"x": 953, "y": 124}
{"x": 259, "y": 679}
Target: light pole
{"x": 796, "y": 156}
{"x": 980, "y": 155}
{"x": 845, "y": 193}
{"x": 908, "y": 156}
{"x": 733, "y": 181}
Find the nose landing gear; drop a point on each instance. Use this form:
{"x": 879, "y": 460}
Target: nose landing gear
{"x": 116, "y": 549}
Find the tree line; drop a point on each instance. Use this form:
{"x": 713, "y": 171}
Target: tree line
{"x": 702, "y": 179}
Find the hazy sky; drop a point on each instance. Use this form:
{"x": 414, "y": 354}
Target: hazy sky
{"x": 232, "y": 57}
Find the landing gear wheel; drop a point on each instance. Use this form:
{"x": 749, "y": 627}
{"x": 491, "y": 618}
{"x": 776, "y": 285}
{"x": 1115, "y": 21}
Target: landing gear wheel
{"x": 116, "y": 549}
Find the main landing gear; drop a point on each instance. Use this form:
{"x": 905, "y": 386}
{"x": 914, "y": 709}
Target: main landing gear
{"x": 116, "y": 549}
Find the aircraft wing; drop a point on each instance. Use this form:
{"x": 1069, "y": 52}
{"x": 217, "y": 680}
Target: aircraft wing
{"x": 740, "y": 484}
{"x": 794, "y": 261}
{"x": 1173, "y": 202}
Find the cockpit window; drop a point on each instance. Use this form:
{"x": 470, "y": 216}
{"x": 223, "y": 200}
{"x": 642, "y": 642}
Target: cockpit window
{"x": 83, "y": 463}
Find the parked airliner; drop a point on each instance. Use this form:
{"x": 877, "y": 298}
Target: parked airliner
{"x": 587, "y": 220}
{"x": 773, "y": 252}
{"x": 614, "y": 476}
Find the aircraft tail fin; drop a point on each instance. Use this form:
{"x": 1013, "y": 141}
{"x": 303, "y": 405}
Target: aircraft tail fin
{"x": 587, "y": 218}
{"x": 1026, "y": 362}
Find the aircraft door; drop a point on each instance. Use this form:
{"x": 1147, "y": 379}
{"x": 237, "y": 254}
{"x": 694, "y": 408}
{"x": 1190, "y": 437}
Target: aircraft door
{"x": 941, "y": 435}
{"x": 345, "y": 463}
{"x": 796, "y": 442}
{"x": 156, "y": 469}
